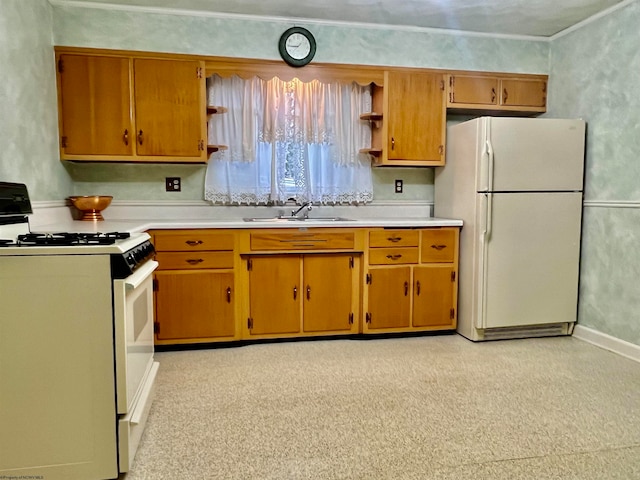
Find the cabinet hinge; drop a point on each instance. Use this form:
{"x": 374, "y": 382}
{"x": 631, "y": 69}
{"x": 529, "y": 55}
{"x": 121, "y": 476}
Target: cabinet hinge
{"x": 60, "y": 65}
{"x": 453, "y": 276}
{"x": 452, "y": 313}
{"x": 441, "y": 149}
{"x": 199, "y": 72}
{"x": 249, "y": 265}
{"x": 156, "y": 327}
{"x": 452, "y": 81}
{"x": 368, "y": 317}
{"x": 201, "y": 145}
{"x": 350, "y": 262}
{"x": 63, "y": 141}
{"x": 368, "y": 279}
{"x": 155, "y": 285}
{"x": 351, "y": 318}
{"x": 451, "y": 97}
{"x": 442, "y": 85}
{"x": 249, "y": 323}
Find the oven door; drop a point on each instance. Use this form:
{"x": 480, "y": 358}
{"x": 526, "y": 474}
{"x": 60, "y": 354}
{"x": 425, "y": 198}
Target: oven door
{"x": 135, "y": 368}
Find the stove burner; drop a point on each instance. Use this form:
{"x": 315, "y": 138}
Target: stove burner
{"x": 65, "y": 239}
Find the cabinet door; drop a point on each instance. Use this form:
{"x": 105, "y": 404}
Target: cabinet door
{"x": 275, "y": 294}
{"x": 94, "y": 99}
{"x": 170, "y": 108}
{"x": 194, "y": 304}
{"x": 473, "y": 90}
{"x": 523, "y": 93}
{"x": 328, "y": 292}
{"x": 389, "y": 300}
{"x": 415, "y": 117}
{"x": 434, "y": 296}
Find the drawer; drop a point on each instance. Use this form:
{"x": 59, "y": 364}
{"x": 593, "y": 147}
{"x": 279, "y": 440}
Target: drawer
{"x": 193, "y": 241}
{"x": 393, "y": 256}
{"x": 438, "y": 245}
{"x": 393, "y": 238}
{"x": 303, "y": 240}
{"x": 194, "y": 260}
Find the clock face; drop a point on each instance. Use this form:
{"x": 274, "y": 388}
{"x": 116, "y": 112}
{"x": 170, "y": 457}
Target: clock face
{"x": 297, "y": 46}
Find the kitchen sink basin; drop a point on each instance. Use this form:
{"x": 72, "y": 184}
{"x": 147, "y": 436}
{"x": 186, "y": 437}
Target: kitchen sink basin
{"x": 296, "y": 219}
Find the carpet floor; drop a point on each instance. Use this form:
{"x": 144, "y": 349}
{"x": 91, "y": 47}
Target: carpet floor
{"x": 438, "y": 407}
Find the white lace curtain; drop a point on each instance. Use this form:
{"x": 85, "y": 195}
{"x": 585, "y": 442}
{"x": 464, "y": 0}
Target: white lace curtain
{"x": 288, "y": 139}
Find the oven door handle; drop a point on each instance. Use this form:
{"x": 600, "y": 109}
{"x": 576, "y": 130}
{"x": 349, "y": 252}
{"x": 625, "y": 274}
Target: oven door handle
{"x": 134, "y": 280}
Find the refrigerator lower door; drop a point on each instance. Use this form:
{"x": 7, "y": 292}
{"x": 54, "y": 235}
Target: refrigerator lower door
{"x": 529, "y": 259}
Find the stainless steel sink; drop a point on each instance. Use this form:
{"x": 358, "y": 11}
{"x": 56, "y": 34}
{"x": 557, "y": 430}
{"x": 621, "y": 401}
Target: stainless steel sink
{"x": 296, "y": 219}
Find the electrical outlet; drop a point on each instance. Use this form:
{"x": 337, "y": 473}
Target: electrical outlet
{"x": 173, "y": 184}
{"x": 399, "y": 186}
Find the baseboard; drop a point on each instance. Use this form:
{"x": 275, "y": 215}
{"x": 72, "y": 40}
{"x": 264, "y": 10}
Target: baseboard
{"x": 602, "y": 340}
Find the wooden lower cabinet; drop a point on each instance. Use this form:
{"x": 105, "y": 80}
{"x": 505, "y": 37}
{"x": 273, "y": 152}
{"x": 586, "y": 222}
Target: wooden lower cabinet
{"x": 228, "y": 285}
{"x": 389, "y": 300}
{"x": 411, "y": 288}
{"x": 194, "y": 304}
{"x": 434, "y": 296}
{"x": 302, "y": 294}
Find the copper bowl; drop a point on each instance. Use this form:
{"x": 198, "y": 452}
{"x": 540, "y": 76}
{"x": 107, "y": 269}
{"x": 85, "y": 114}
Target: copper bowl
{"x": 91, "y": 206}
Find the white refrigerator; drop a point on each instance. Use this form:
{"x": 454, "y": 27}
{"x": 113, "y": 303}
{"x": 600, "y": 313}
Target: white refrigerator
{"x": 517, "y": 185}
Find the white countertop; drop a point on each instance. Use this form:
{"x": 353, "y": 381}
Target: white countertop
{"x": 144, "y": 225}
{"x": 140, "y": 218}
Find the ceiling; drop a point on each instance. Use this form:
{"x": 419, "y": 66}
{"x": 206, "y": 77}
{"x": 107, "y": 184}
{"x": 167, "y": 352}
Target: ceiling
{"x": 542, "y": 18}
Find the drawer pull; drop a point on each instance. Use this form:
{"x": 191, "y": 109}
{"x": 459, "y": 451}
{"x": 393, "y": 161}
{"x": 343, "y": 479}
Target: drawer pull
{"x": 406, "y": 288}
{"x": 439, "y": 247}
{"x": 394, "y": 239}
{"x": 397, "y": 256}
{"x": 194, "y": 261}
{"x": 193, "y": 243}
{"x": 228, "y": 294}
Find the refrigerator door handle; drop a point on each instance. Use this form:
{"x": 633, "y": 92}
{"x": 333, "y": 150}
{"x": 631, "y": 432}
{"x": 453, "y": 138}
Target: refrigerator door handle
{"x": 481, "y": 309}
{"x": 486, "y": 161}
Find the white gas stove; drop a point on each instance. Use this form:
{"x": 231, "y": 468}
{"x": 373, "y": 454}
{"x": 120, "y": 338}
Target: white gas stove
{"x": 77, "y": 363}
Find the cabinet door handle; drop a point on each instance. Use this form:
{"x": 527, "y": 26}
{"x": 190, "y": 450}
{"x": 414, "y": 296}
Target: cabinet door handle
{"x": 125, "y": 137}
{"x": 393, "y": 143}
{"x": 493, "y": 95}
{"x": 418, "y": 287}
{"x": 295, "y": 292}
{"x": 193, "y": 243}
{"x": 406, "y": 288}
{"x": 228, "y": 294}
{"x": 140, "y": 137}
{"x": 308, "y": 292}
{"x": 394, "y": 257}
{"x": 194, "y": 261}
{"x": 439, "y": 247}
{"x": 394, "y": 239}
{"x": 505, "y": 95}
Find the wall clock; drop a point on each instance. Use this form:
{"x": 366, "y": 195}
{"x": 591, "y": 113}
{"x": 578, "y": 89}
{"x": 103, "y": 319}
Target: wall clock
{"x": 297, "y": 46}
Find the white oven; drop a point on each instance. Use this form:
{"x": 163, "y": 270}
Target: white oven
{"x": 135, "y": 368}
{"x": 77, "y": 363}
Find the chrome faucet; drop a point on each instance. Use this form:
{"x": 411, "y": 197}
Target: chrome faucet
{"x": 307, "y": 205}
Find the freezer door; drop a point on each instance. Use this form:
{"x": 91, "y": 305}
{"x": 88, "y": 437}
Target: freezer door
{"x": 531, "y": 154}
{"x": 529, "y": 259}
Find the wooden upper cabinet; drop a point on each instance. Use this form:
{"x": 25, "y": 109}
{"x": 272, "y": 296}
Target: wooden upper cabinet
{"x": 413, "y": 119}
{"x": 523, "y": 93}
{"x": 95, "y": 118}
{"x": 122, "y": 108}
{"x": 474, "y": 90}
{"x": 507, "y": 95}
{"x": 168, "y": 107}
